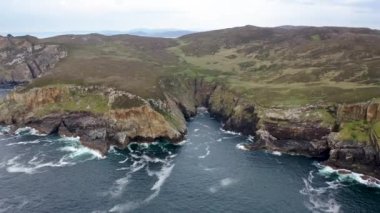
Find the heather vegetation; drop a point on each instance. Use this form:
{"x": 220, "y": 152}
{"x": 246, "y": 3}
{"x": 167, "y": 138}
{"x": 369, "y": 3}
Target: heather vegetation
{"x": 270, "y": 66}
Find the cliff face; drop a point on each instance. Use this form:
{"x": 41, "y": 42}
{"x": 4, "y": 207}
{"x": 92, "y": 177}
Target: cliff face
{"x": 24, "y": 58}
{"x": 94, "y": 114}
{"x": 297, "y": 131}
{"x": 356, "y": 145}
{"x": 345, "y": 135}
{"x": 369, "y": 111}
{"x": 318, "y": 131}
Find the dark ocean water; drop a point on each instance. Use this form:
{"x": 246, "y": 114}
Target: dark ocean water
{"x": 209, "y": 172}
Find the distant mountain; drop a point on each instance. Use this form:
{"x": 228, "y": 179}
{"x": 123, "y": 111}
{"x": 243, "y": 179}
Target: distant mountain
{"x": 162, "y": 33}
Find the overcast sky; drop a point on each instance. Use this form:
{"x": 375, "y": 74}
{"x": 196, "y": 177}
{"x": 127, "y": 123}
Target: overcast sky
{"x": 121, "y": 15}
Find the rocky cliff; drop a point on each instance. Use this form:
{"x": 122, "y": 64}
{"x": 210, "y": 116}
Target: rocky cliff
{"x": 343, "y": 135}
{"x": 101, "y": 117}
{"x": 287, "y": 88}
{"x": 24, "y": 58}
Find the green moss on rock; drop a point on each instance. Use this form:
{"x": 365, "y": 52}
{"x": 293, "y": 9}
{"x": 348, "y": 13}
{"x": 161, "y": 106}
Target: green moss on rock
{"x": 357, "y": 131}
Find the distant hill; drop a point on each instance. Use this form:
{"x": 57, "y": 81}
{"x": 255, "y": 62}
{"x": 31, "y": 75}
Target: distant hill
{"x": 296, "y": 65}
{"x": 161, "y": 33}
{"x": 164, "y": 33}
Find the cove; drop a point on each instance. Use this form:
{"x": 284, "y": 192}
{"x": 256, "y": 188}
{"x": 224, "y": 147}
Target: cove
{"x": 208, "y": 172}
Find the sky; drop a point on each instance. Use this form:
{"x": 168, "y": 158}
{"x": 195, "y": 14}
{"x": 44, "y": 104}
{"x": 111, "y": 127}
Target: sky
{"x": 123, "y": 15}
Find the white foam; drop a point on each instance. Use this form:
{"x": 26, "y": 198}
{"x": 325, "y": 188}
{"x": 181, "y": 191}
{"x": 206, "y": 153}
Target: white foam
{"x": 77, "y": 150}
{"x": 69, "y": 140}
{"x": 276, "y": 153}
{"x": 207, "y": 153}
{"x": 229, "y": 132}
{"x": 28, "y": 131}
{"x": 119, "y": 186}
{"x": 162, "y": 175}
{"x": 24, "y": 142}
{"x": 209, "y": 169}
{"x": 220, "y": 140}
{"x": 206, "y": 126}
{"x": 125, "y": 160}
{"x": 16, "y": 204}
{"x": 321, "y": 199}
{"x": 152, "y": 159}
{"x": 112, "y": 150}
{"x": 136, "y": 166}
{"x": 223, "y": 183}
{"x": 181, "y": 143}
{"x": 227, "y": 181}
{"x": 4, "y": 130}
{"x": 202, "y": 110}
{"x": 251, "y": 138}
{"x": 126, "y": 207}
{"x": 32, "y": 166}
{"x": 349, "y": 176}
{"x": 196, "y": 130}
{"x": 242, "y": 146}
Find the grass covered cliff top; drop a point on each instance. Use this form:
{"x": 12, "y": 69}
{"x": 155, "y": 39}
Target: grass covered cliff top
{"x": 270, "y": 66}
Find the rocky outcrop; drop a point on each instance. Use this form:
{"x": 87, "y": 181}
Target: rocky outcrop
{"x": 103, "y": 117}
{"x": 24, "y": 58}
{"x": 236, "y": 113}
{"x": 369, "y": 111}
{"x": 354, "y": 153}
{"x": 296, "y": 131}
{"x": 358, "y": 156}
{"x": 97, "y": 129}
{"x": 312, "y": 131}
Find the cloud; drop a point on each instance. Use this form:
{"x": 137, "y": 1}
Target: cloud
{"x": 95, "y": 15}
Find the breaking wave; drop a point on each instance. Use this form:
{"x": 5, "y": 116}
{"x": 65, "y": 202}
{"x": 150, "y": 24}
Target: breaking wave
{"x": 73, "y": 152}
{"x": 242, "y": 146}
{"x": 320, "y": 198}
{"x": 347, "y": 176}
{"x": 24, "y": 142}
{"x": 28, "y": 131}
{"x": 229, "y": 132}
{"x": 138, "y": 158}
{"x": 276, "y": 153}
{"x": 4, "y": 130}
{"x": 33, "y": 165}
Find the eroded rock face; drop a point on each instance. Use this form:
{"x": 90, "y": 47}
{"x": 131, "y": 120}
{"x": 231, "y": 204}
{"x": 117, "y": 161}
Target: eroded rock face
{"x": 369, "y": 111}
{"x": 235, "y": 113}
{"x": 97, "y": 130}
{"x": 304, "y": 130}
{"x": 362, "y": 157}
{"x": 310, "y": 131}
{"x": 296, "y": 131}
{"x": 23, "y": 58}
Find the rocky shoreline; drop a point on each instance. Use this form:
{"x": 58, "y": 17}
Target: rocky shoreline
{"x": 146, "y": 121}
{"x": 312, "y": 131}
{"x": 340, "y": 135}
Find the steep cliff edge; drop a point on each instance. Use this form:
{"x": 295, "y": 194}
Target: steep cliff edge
{"x": 344, "y": 135}
{"x": 101, "y": 117}
{"x": 356, "y": 145}
{"x": 25, "y": 58}
{"x": 286, "y": 87}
